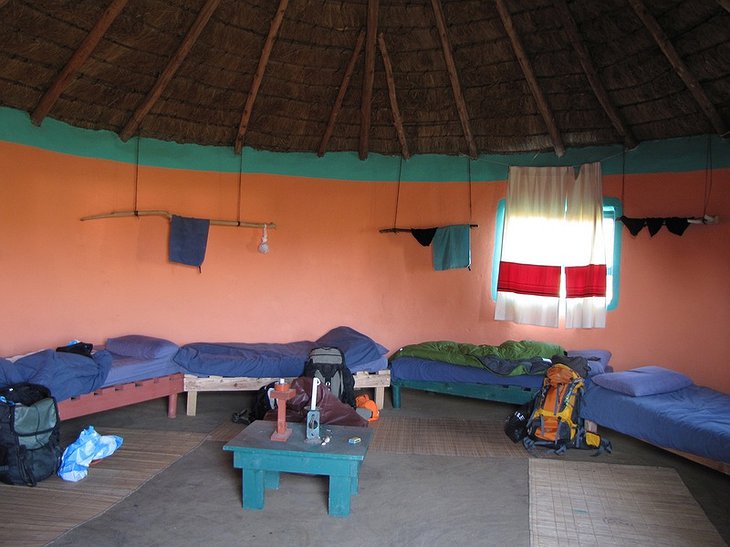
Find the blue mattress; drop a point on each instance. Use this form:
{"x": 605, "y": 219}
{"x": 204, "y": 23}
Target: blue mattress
{"x": 126, "y": 369}
{"x": 424, "y": 370}
{"x": 278, "y": 360}
{"x": 693, "y": 419}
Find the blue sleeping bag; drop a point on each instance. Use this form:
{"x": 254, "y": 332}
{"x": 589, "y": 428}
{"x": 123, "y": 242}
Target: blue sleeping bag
{"x": 64, "y": 374}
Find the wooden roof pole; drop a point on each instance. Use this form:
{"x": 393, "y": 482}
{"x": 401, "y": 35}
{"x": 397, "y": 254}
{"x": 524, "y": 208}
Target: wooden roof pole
{"x": 679, "y": 66}
{"x": 76, "y": 61}
{"x": 438, "y": 13}
{"x": 368, "y": 77}
{"x": 172, "y": 66}
{"x": 571, "y": 29}
{"x": 259, "y": 75}
{"x": 3, "y": 2}
{"x": 397, "y": 121}
{"x": 341, "y": 94}
{"x": 725, "y": 4}
{"x": 537, "y": 94}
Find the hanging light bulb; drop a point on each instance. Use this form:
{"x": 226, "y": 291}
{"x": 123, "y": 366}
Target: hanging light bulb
{"x": 264, "y": 245}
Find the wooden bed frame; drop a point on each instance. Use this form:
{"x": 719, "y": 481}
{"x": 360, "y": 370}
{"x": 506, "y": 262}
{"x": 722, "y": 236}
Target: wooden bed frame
{"x": 487, "y": 392}
{"x": 194, "y": 384}
{"x": 120, "y": 395}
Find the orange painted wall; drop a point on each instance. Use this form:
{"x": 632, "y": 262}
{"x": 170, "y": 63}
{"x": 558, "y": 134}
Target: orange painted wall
{"x": 329, "y": 265}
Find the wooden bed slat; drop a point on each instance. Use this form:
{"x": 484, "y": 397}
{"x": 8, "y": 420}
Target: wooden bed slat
{"x": 194, "y": 384}
{"x": 124, "y": 394}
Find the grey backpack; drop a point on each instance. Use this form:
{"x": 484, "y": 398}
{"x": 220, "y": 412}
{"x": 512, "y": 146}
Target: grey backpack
{"x": 328, "y": 364}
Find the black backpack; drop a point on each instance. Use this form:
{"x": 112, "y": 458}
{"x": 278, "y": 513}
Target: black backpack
{"x": 260, "y": 407}
{"x": 328, "y": 364}
{"x": 30, "y": 448}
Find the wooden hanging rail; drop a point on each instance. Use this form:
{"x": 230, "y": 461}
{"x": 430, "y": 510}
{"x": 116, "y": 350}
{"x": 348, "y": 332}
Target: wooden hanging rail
{"x": 161, "y": 213}
{"x": 396, "y": 230}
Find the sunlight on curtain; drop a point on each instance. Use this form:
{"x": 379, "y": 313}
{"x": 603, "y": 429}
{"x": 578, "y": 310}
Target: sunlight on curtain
{"x": 528, "y": 289}
{"x": 585, "y": 251}
{"x": 553, "y": 241}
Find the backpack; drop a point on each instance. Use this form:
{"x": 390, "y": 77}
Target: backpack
{"x": 515, "y": 427}
{"x": 578, "y": 363}
{"x": 260, "y": 406}
{"x": 30, "y": 448}
{"x": 328, "y": 364}
{"x": 555, "y": 421}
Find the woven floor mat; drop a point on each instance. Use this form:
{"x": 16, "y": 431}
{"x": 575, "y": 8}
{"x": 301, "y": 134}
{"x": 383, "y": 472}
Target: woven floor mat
{"x": 38, "y": 515}
{"x": 443, "y": 437}
{"x": 579, "y": 503}
{"x": 225, "y": 432}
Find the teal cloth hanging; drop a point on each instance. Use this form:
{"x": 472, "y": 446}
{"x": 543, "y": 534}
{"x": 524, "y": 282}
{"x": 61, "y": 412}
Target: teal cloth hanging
{"x": 452, "y": 247}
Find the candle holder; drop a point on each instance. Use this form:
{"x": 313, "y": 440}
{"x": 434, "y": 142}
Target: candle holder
{"x": 282, "y": 393}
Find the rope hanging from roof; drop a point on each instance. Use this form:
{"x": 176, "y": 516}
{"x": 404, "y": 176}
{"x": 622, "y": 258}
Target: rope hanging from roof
{"x": 395, "y": 229}
{"x": 676, "y": 225}
{"x": 137, "y": 212}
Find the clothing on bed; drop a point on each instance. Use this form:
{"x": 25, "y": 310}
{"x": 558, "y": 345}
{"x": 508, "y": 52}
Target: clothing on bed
{"x": 423, "y": 370}
{"x": 520, "y": 353}
{"x": 64, "y": 374}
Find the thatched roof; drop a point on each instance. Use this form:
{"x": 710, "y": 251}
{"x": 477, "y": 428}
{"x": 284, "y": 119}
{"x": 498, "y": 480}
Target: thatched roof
{"x": 389, "y": 76}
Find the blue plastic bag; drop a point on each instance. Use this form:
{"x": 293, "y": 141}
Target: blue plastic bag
{"x": 88, "y": 447}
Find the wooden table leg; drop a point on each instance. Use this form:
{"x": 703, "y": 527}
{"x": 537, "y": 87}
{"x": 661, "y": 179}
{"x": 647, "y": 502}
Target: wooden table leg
{"x": 253, "y": 489}
{"x": 339, "y": 495}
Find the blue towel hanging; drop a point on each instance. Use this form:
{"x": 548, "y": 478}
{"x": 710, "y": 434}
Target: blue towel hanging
{"x": 452, "y": 247}
{"x": 188, "y": 240}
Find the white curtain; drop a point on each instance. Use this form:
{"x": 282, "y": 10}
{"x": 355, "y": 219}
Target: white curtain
{"x": 585, "y": 251}
{"x": 528, "y": 289}
{"x": 553, "y": 232}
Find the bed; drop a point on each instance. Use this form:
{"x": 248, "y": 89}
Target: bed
{"x": 131, "y": 369}
{"x": 512, "y": 372}
{"x": 243, "y": 366}
{"x": 664, "y": 408}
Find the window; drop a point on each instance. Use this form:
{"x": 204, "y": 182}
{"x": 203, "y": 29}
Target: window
{"x": 612, "y": 237}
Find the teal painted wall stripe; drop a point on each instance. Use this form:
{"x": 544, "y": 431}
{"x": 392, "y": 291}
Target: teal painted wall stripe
{"x": 672, "y": 155}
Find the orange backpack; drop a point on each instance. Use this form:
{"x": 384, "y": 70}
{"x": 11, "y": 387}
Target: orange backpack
{"x": 555, "y": 421}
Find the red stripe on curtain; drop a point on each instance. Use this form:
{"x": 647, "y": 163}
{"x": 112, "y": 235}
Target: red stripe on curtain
{"x": 529, "y": 279}
{"x": 585, "y": 281}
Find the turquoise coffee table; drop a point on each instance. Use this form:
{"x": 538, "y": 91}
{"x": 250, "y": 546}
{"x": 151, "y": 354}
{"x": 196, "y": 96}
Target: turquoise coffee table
{"x": 261, "y": 460}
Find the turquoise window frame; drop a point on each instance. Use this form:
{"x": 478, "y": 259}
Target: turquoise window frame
{"x": 611, "y": 208}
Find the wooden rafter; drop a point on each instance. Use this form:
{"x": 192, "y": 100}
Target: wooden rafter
{"x": 571, "y": 29}
{"x": 76, "y": 61}
{"x": 341, "y": 94}
{"x": 535, "y": 89}
{"x": 368, "y": 77}
{"x": 679, "y": 66}
{"x": 172, "y": 66}
{"x": 397, "y": 121}
{"x": 3, "y": 2}
{"x": 259, "y": 75}
{"x": 725, "y": 4}
{"x": 454, "y": 77}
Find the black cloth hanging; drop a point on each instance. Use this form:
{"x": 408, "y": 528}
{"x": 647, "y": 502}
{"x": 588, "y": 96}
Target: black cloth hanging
{"x": 633, "y": 225}
{"x": 676, "y": 225}
{"x": 424, "y": 235}
{"x": 654, "y": 224}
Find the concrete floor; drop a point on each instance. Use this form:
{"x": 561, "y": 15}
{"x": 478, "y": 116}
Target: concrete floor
{"x": 403, "y": 500}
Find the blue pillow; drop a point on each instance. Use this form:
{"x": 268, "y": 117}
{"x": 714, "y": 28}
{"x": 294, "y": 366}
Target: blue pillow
{"x": 142, "y": 347}
{"x": 642, "y": 381}
{"x": 357, "y": 347}
{"x": 597, "y": 359}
